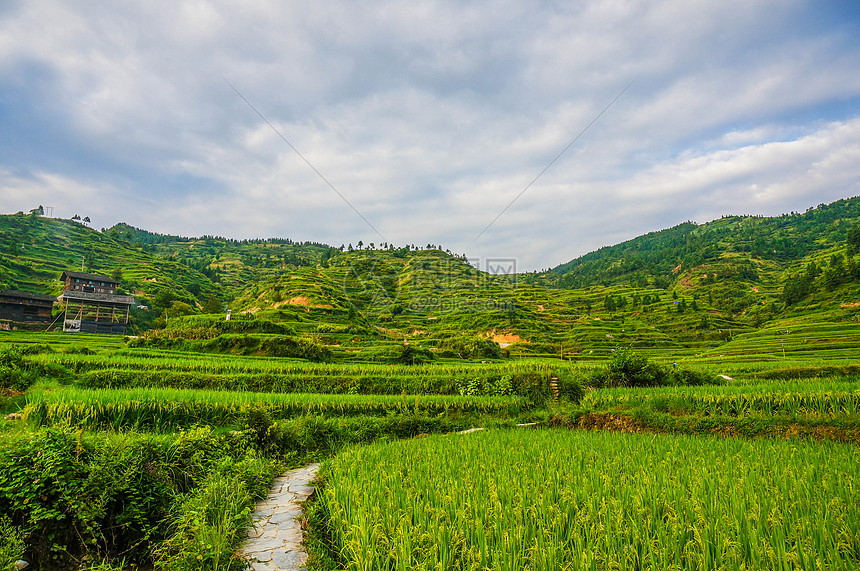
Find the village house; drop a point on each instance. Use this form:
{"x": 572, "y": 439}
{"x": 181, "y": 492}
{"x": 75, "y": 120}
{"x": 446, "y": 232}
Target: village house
{"x": 92, "y": 304}
{"x": 24, "y": 306}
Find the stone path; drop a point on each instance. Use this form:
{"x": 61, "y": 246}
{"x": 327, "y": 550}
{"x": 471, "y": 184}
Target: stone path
{"x": 275, "y": 541}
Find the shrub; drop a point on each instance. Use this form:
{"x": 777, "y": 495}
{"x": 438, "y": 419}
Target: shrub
{"x": 19, "y": 374}
{"x": 472, "y": 348}
{"x": 627, "y": 369}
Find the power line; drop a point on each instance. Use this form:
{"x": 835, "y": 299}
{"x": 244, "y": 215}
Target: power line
{"x": 354, "y": 209}
{"x": 546, "y": 168}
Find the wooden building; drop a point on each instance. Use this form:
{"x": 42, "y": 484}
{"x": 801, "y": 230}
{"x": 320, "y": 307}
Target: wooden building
{"x": 92, "y": 305}
{"x": 24, "y": 306}
{"x": 88, "y": 283}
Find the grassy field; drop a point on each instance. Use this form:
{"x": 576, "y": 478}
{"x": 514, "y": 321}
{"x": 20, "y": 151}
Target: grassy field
{"x": 550, "y": 499}
{"x": 171, "y": 409}
{"x": 153, "y": 438}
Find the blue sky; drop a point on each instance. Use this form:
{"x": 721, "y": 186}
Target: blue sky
{"x": 428, "y": 117}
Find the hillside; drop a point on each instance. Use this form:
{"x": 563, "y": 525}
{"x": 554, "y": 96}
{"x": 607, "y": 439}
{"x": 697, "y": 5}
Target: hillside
{"x": 682, "y": 292}
{"x": 727, "y": 259}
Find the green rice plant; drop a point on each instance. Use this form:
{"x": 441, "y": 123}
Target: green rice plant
{"x": 553, "y": 499}
{"x": 260, "y": 374}
{"x": 163, "y": 409}
{"x": 818, "y": 399}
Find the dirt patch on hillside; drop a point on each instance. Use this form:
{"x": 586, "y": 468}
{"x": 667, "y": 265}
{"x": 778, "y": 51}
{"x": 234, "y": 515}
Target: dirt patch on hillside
{"x": 540, "y": 308}
{"x": 302, "y": 301}
{"x": 507, "y": 338}
{"x": 853, "y": 304}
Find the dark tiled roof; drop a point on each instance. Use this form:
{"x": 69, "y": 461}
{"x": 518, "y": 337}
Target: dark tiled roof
{"x": 27, "y": 295}
{"x": 94, "y": 277}
{"x": 87, "y": 296}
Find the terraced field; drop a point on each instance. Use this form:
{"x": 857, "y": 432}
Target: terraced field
{"x": 553, "y": 499}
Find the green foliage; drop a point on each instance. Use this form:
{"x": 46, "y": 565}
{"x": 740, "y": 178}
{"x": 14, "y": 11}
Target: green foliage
{"x": 628, "y": 369}
{"x": 75, "y": 495}
{"x": 471, "y": 347}
{"x": 19, "y": 373}
{"x": 240, "y": 344}
{"x": 412, "y": 355}
{"x": 12, "y": 544}
{"x": 206, "y": 526}
{"x": 853, "y": 239}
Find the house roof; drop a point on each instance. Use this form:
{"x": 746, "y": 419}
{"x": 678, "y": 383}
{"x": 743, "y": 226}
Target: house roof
{"x": 27, "y": 295}
{"x": 93, "y": 277}
{"x": 86, "y": 296}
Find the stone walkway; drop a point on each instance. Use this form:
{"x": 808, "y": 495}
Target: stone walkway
{"x": 275, "y": 542}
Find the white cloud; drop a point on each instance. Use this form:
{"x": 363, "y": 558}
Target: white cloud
{"x": 428, "y": 117}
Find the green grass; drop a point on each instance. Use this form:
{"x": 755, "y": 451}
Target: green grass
{"x": 170, "y": 409}
{"x": 813, "y": 398}
{"x": 552, "y": 499}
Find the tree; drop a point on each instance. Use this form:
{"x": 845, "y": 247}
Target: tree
{"x": 38, "y": 211}
{"x": 212, "y": 305}
{"x": 164, "y": 298}
{"x": 835, "y": 274}
{"x": 796, "y": 288}
{"x": 853, "y": 240}
{"x": 86, "y": 220}
{"x": 609, "y": 303}
{"x": 76, "y": 217}
{"x": 116, "y": 275}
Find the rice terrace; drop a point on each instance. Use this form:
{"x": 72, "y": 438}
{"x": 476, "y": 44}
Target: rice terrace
{"x": 687, "y": 399}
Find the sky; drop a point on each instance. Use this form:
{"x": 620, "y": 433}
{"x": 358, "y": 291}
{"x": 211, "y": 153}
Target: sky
{"x": 524, "y": 130}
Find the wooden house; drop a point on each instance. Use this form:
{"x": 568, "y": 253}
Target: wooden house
{"x": 92, "y": 305}
{"x": 89, "y": 283}
{"x": 24, "y": 306}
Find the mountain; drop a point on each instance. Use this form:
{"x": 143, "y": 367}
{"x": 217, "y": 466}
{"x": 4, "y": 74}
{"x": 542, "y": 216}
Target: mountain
{"x": 740, "y": 281}
{"x": 727, "y": 258}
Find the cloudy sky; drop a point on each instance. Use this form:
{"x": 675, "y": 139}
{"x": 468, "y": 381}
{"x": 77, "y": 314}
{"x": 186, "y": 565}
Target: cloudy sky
{"x": 428, "y": 118}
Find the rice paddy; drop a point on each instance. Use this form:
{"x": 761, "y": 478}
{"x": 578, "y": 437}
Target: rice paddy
{"x": 553, "y": 499}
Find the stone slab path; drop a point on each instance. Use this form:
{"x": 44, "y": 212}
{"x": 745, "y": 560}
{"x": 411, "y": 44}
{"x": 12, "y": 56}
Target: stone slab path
{"x": 275, "y": 541}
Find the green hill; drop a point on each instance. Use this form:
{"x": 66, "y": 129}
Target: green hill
{"x": 692, "y": 291}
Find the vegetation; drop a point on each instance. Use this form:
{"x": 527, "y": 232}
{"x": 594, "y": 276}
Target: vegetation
{"x": 560, "y": 500}
{"x": 728, "y": 350}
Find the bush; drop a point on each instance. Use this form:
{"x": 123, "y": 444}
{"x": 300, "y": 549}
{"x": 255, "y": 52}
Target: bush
{"x": 75, "y": 496}
{"x": 411, "y": 355}
{"x": 627, "y": 369}
{"x": 472, "y": 348}
{"x": 19, "y": 374}
{"x": 240, "y": 344}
